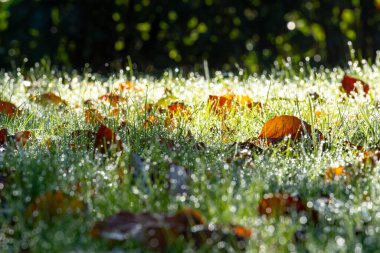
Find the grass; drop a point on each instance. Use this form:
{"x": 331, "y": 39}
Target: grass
{"x": 226, "y": 189}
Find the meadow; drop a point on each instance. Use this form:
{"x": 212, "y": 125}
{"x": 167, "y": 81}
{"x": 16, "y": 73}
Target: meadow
{"x": 283, "y": 161}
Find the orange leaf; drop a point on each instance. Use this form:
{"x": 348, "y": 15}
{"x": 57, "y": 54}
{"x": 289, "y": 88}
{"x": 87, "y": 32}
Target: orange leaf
{"x": 243, "y": 101}
{"x": 332, "y": 173}
{"x": 112, "y": 98}
{"x": 107, "y": 141}
{"x": 348, "y": 84}
{"x": 274, "y": 205}
{"x": 277, "y": 128}
{"x": 93, "y": 116}
{"x": 220, "y": 104}
{"x": 51, "y": 204}
{"x": 49, "y": 98}
{"x": 242, "y": 231}
{"x": 8, "y": 108}
{"x": 150, "y": 120}
{"x": 177, "y": 108}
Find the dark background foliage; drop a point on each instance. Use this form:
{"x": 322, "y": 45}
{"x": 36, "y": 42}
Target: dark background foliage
{"x": 157, "y": 34}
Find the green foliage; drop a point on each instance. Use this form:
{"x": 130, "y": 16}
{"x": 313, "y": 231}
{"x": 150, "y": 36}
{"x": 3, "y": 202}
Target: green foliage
{"x": 181, "y": 32}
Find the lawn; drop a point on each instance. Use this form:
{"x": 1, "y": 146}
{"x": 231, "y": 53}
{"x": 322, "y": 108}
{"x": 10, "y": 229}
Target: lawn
{"x": 127, "y": 162}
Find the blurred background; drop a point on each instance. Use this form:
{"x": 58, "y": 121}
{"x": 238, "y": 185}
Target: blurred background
{"x": 160, "y": 34}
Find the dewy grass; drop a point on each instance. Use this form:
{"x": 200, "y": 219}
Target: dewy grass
{"x": 224, "y": 186}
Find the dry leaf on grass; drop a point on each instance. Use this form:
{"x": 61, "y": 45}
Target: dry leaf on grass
{"x": 280, "y": 127}
{"x": 8, "y": 108}
{"x": 106, "y": 141}
{"x": 113, "y": 99}
{"x": 348, "y": 85}
{"x": 49, "y": 98}
{"x": 159, "y": 231}
{"x": 280, "y": 204}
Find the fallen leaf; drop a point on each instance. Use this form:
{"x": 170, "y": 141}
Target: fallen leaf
{"x": 51, "y": 204}
{"x": 336, "y": 172}
{"x": 112, "y": 98}
{"x": 158, "y": 231}
{"x": 93, "y": 116}
{"x": 279, "y": 127}
{"x": 225, "y": 103}
{"x": 279, "y": 204}
{"x": 166, "y": 101}
{"x": 49, "y": 98}
{"x": 22, "y": 137}
{"x": 220, "y": 104}
{"x": 348, "y": 84}
{"x": 178, "y": 108}
{"x": 8, "y": 108}
{"x": 106, "y": 141}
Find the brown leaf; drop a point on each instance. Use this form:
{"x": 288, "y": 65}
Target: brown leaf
{"x": 279, "y": 127}
{"x": 3, "y": 136}
{"x": 158, "y": 231}
{"x": 112, "y": 98}
{"x": 348, "y": 84}
{"x": 51, "y": 204}
{"x": 106, "y": 141}
{"x": 20, "y": 137}
{"x": 8, "y": 108}
{"x": 279, "y": 204}
{"x": 49, "y": 98}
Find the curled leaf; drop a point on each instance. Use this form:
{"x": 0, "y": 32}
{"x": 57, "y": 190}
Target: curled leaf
{"x": 279, "y": 127}
{"x": 348, "y": 84}
{"x": 8, "y": 108}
